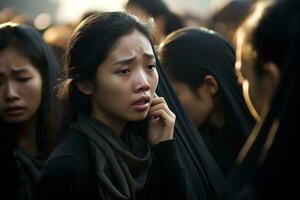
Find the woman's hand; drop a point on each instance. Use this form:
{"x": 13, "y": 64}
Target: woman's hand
{"x": 161, "y": 121}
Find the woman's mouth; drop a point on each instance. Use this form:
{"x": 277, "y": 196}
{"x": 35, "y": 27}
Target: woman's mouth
{"x": 14, "y": 111}
{"x": 142, "y": 104}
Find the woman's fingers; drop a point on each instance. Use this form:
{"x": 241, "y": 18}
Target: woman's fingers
{"x": 160, "y": 114}
{"x": 160, "y": 103}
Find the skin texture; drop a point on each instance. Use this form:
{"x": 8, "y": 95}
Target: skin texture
{"x": 198, "y": 106}
{"x": 261, "y": 87}
{"x": 20, "y": 87}
{"x": 127, "y": 75}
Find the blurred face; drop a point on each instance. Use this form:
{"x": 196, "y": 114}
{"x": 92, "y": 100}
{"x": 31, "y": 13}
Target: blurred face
{"x": 20, "y": 87}
{"x": 252, "y": 86}
{"x": 138, "y": 11}
{"x": 125, "y": 81}
{"x": 199, "y": 107}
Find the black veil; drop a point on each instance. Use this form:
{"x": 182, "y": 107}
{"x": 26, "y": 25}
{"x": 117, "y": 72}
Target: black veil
{"x": 204, "y": 178}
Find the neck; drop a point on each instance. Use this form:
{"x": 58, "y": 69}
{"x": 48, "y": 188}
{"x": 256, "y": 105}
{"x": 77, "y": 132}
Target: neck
{"x": 116, "y": 124}
{"x": 28, "y": 135}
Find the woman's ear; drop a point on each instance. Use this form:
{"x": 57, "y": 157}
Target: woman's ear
{"x": 272, "y": 74}
{"x": 210, "y": 85}
{"x": 85, "y": 87}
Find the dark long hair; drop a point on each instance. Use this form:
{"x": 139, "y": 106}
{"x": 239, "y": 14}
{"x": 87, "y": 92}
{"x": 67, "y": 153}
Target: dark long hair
{"x": 29, "y": 42}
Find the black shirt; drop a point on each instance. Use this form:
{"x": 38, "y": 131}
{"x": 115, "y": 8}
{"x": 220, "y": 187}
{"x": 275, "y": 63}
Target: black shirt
{"x": 69, "y": 173}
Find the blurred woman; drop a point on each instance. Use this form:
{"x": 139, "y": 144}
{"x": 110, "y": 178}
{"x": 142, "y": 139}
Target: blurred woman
{"x": 200, "y": 65}
{"x": 268, "y": 165}
{"x": 28, "y": 74}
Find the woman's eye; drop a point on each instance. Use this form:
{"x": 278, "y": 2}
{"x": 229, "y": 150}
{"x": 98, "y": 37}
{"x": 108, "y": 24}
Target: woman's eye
{"x": 123, "y": 71}
{"x": 152, "y": 66}
{"x": 24, "y": 79}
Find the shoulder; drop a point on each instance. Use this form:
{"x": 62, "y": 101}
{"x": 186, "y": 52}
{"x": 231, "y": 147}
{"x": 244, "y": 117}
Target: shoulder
{"x": 71, "y": 156}
{"x": 68, "y": 171}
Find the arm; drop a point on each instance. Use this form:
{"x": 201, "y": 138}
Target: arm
{"x": 167, "y": 171}
{"x": 173, "y": 184}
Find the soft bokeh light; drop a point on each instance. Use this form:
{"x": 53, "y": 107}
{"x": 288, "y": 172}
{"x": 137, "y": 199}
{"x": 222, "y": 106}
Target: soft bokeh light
{"x": 72, "y": 10}
{"x": 42, "y": 21}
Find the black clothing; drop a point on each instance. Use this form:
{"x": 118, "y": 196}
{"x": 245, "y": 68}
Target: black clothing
{"x": 204, "y": 178}
{"x": 188, "y": 56}
{"x": 269, "y": 166}
{"x": 20, "y": 169}
{"x": 122, "y": 163}
{"x": 70, "y": 173}
{"x": 29, "y": 167}
{"x": 224, "y": 145}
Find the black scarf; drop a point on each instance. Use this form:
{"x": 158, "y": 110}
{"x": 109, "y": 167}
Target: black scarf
{"x": 121, "y": 164}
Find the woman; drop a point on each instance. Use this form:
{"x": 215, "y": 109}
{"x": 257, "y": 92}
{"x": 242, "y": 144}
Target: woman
{"x": 260, "y": 57}
{"x": 28, "y": 74}
{"x": 121, "y": 134}
{"x": 268, "y": 165}
{"x": 200, "y": 65}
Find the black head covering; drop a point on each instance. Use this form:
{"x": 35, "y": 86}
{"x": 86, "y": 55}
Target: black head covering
{"x": 268, "y": 165}
{"x": 204, "y": 178}
{"x": 191, "y": 53}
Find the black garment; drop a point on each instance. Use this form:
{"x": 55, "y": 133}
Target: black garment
{"x": 19, "y": 169}
{"x": 70, "y": 173}
{"x": 8, "y": 168}
{"x": 189, "y": 55}
{"x": 29, "y": 166}
{"x": 121, "y": 163}
{"x": 224, "y": 145}
{"x": 204, "y": 178}
{"x": 268, "y": 165}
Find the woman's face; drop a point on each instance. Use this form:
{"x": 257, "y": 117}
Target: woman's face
{"x": 199, "y": 106}
{"x": 20, "y": 87}
{"x": 126, "y": 81}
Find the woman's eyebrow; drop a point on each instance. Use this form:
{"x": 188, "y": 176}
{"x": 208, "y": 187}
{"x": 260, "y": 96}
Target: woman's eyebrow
{"x": 124, "y": 61}
{"x": 20, "y": 70}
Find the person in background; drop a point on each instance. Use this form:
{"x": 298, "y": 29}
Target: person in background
{"x": 200, "y": 65}
{"x": 268, "y": 165}
{"x": 29, "y": 116}
{"x": 260, "y": 57}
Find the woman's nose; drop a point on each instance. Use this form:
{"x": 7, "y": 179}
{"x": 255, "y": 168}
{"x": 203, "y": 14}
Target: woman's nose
{"x": 141, "y": 82}
{"x": 11, "y": 92}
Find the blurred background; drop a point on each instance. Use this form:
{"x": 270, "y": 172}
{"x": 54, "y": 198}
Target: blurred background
{"x": 56, "y": 19}
{"x": 46, "y": 12}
